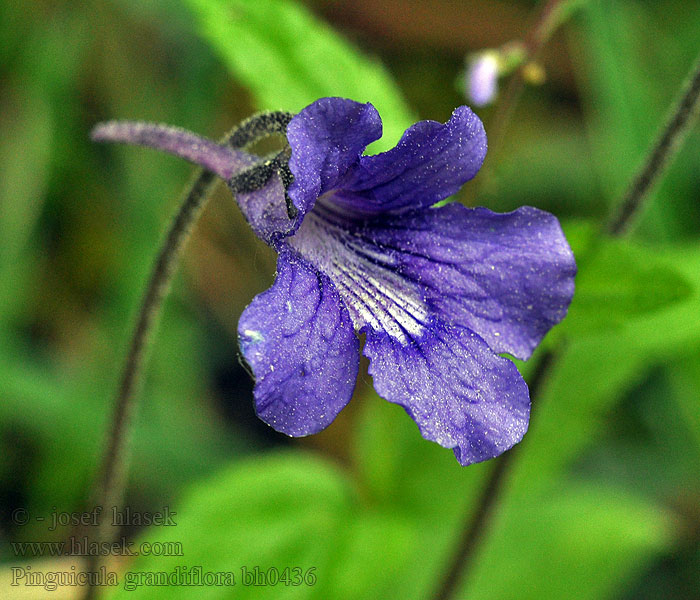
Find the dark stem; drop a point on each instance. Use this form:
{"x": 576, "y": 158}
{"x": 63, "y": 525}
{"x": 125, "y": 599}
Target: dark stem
{"x": 664, "y": 149}
{"x": 668, "y": 144}
{"x": 110, "y": 485}
{"x": 533, "y": 44}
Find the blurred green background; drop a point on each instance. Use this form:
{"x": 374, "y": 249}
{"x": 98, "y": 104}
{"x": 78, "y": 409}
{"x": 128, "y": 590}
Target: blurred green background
{"x": 604, "y": 498}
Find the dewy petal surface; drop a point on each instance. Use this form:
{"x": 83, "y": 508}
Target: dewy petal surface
{"x": 507, "y": 277}
{"x": 460, "y": 394}
{"x": 431, "y": 161}
{"x": 300, "y": 343}
{"x": 327, "y": 138}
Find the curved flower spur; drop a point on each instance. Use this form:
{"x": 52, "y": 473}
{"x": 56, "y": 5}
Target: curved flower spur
{"x": 438, "y": 291}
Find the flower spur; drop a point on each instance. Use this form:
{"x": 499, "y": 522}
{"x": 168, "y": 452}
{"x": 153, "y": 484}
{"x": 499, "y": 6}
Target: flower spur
{"x": 438, "y": 292}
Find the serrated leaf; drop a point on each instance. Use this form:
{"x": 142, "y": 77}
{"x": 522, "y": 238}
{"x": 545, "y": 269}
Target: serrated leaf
{"x": 288, "y": 58}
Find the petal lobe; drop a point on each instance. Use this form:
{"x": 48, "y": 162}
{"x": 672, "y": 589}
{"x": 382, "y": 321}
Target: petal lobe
{"x": 299, "y": 341}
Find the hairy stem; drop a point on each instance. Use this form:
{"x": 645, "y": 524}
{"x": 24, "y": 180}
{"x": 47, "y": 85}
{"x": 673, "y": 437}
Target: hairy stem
{"x": 224, "y": 159}
{"x": 669, "y": 140}
{"x": 110, "y": 485}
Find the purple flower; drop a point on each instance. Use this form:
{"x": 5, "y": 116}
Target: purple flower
{"x": 438, "y": 292}
{"x": 482, "y": 78}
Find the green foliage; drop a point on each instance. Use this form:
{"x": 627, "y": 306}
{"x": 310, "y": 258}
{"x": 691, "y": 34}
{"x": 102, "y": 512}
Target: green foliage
{"x": 288, "y": 59}
{"x": 279, "y": 511}
{"x": 579, "y": 542}
{"x": 292, "y": 511}
{"x": 619, "y": 281}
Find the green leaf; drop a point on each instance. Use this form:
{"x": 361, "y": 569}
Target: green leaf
{"x": 579, "y": 543}
{"x": 619, "y": 281}
{"x": 686, "y": 382}
{"x": 176, "y": 437}
{"x": 279, "y": 511}
{"x": 25, "y": 165}
{"x": 292, "y": 510}
{"x": 288, "y": 59}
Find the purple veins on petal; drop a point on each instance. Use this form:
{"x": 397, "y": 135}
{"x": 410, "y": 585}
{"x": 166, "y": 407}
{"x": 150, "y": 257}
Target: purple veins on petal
{"x": 507, "y": 277}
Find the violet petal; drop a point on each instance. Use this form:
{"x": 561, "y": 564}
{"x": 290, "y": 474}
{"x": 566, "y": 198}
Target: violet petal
{"x": 266, "y": 212}
{"x": 431, "y": 162}
{"x": 327, "y": 138}
{"x": 507, "y": 277}
{"x": 299, "y": 341}
{"x": 460, "y": 394}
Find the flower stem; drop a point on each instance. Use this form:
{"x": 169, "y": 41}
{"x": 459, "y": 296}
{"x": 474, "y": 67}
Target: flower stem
{"x": 545, "y": 24}
{"x": 667, "y": 145}
{"x": 224, "y": 159}
{"x": 112, "y": 474}
{"x": 670, "y": 138}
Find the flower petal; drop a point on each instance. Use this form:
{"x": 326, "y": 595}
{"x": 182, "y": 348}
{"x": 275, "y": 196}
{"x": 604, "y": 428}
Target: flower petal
{"x": 363, "y": 273}
{"x": 460, "y": 394}
{"x": 300, "y": 343}
{"x": 507, "y": 277}
{"x": 266, "y": 212}
{"x": 430, "y": 162}
{"x": 326, "y": 138}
